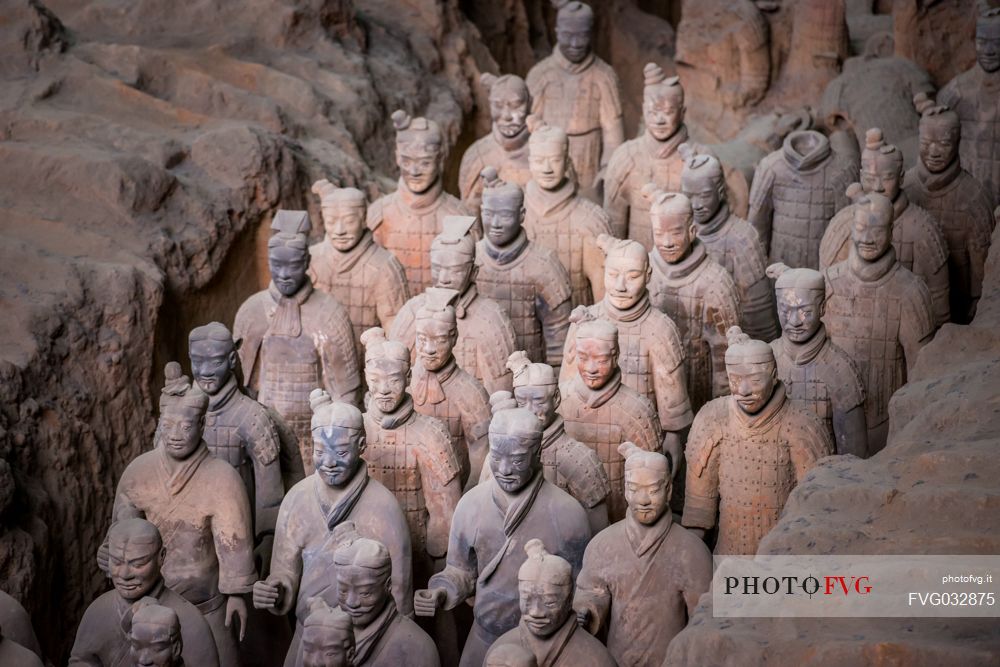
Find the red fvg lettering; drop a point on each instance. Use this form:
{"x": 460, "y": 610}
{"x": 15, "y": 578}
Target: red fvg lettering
{"x": 855, "y": 584}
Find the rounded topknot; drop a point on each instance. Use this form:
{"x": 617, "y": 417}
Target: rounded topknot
{"x": 372, "y": 336}
{"x": 686, "y": 151}
{"x": 615, "y": 247}
{"x": 490, "y": 176}
{"x": 534, "y": 122}
{"x": 329, "y": 194}
{"x": 528, "y": 374}
{"x": 626, "y": 449}
{"x": 636, "y": 457}
{"x": 178, "y": 391}
{"x": 774, "y": 271}
{"x": 745, "y": 350}
{"x": 544, "y": 567}
{"x": 518, "y": 361}
{"x": 543, "y": 133}
{"x": 502, "y": 400}
{"x": 928, "y": 108}
{"x": 400, "y": 119}
{"x": 671, "y": 205}
{"x": 328, "y": 414}
{"x": 487, "y": 80}
{"x": 535, "y": 548}
{"x": 172, "y": 373}
{"x": 379, "y": 348}
{"x": 322, "y": 615}
{"x": 653, "y": 74}
{"x": 874, "y": 139}
{"x": 319, "y": 398}
{"x": 855, "y": 192}
{"x": 786, "y": 277}
{"x": 589, "y": 326}
{"x": 735, "y": 336}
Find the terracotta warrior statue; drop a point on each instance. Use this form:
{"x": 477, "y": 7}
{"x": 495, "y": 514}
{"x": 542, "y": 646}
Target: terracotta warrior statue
{"x": 654, "y": 157}
{"x": 548, "y": 626}
{"x": 156, "y": 638}
{"x": 411, "y": 453}
{"x": 601, "y": 411}
{"x": 383, "y": 636}
{"x": 327, "y": 636}
{"x": 443, "y": 390}
{"x": 694, "y": 291}
{"x": 406, "y": 221}
{"x": 920, "y": 246}
{"x": 796, "y": 190}
{"x": 351, "y": 267}
{"x": 506, "y": 147}
{"x": 732, "y": 242}
{"x": 295, "y": 338}
{"x": 200, "y": 506}
{"x": 525, "y": 278}
{"x": 746, "y": 452}
{"x": 567, "y": 463}
{"x": 557, "y": 217}
{"x": 485, "y": 333}
{"x": 340, "y": 491}
{"x": 973, "y": 95}
{"x": 957, "y": 202}
{"x": 877, "y": 311}
{"x": 135, "y": 556}
{"x": 818, "y": 376}
{"x": 577, "y": 91}
{"x": 642, "y": 577}
{"x": 652, "y": 354}
{"x": 492, "y": 521}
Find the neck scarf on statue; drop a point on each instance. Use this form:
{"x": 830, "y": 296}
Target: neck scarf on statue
{"x": 337, "y": 512}
{"x": 287, "y": 318}
{"x": 514, "y": 510}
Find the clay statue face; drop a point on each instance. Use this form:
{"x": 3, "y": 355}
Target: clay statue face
{"x": 938, "y": 145}
{"x": 706, "y": 196}
{"x": 386, "y": 384}
{"x": 345, "y": 225}
{"x": 134, "y": 567}
{"x": 324, "y": 647}
{"x": 212, "y": 363}
{"x": 337, "y": 454}
{"x": 663, "y": 114}
{"x": 625, "y": 280}
{"x": 597, "y": 361}
{"x": 547, "y": 163}
{"x": 288, "y": 268}
{"x": 752, "y": 385}
{"x": 988, "y": 45}
{"x": 673, "y": 237}
{"x": 799, "y": 311}
{"x": 884, "y": 177}
{"x": 362, "y": 593}
{"x": 647, "y": 493}
{"x": 152, "y": 646}
{"x": 434, "y": 343}
{"x": 544, "y": 606}
{"x": 179, "y": 429}
{"x": 543, "y": 401}
{"x": 451, "y": 270}
{"x": 513, "y": 461}
{"x": 574, "y": 42}
{"x": 419, "y": 169}
{"x": 509, "y": 109}
{"x": 502, "y": 221}
{"x": 871, "y": 234}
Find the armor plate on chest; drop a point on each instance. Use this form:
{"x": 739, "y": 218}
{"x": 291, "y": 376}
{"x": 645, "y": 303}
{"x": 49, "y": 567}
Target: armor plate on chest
{"x": 517, "y": 294}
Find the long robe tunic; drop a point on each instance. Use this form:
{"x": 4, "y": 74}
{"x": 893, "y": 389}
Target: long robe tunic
{"x": 391, "y": 640}
{"x": 569, "y": 646}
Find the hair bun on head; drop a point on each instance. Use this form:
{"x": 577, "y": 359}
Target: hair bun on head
{"x": 400, "y": 119}
{"x": 735, "y": 336}
{"x": 487, "y": 80}
{"x": 318, "y": 398}
{"x": 502, "y": 400}
{"x": 490, "y": 176}
{"x": 855, "y": 192}
{"x": 653, "y": 74}
{"x": 874, "y": 139}
{"x": 775, "y": 270}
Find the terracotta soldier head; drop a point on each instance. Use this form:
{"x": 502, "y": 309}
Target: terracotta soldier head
{"x": 536, "y": 387}
{"x": 801, "y": 295}
{"x": 881, "y": 166}
{"x": 510, "y": 103}
{"x": 548, "y": 154}
{"x": 515, "y": 444}
{"x": 364, "y": 571}
{"x": 626, "y": 270}
{"x": 510, "y": 655}
{"x": 155, "y": 637}
{"x": 338, "y": 434}
{"x": 647, "y": 483}
{"x": 344, "y": 212}
{"x": 988, "y": 38}
{"x": 436, "y": 328}
{"x": 544, "y": 589}
{"x": 574, "y": 25}
{"x": 327, "y": 636}
{"x": 182, "y": 414}
{"x": 387, "y": 369}
{"x": 703, "y": 183}
{"x": 596, "y": 348}
{"x": 753, "y": 373}
{"x": 940, "y": 133}
{"x": 453, "y": 254}
{"x": 871, "y": 232}
{"x": 419, "y": 151}
{"x": 502, "y": 209}
{"x": 662, "y": 102}
{"x": 135, "y": 556}
{"x": 673, "y": 223}
{"x": 288, "y": 250}
{"x": 213, "y": 356}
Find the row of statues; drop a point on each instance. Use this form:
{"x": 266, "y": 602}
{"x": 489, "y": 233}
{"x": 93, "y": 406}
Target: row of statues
{"x": 489, "y": 402}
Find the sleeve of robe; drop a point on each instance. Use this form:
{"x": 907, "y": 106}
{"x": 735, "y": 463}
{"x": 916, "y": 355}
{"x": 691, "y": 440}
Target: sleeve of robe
{"x": 458, "y": 579}
{"x": 592, "y": 590}
{"x": 616, "y": 195}
{"x": 761, "y": 205}
{"x": 286, "y": 557}
{"x": 439, "y": 470}
{"x": 339, "y": 356}
{"x": 670, "y": 380}
{"x": 722, "y": 311}
{"x": 87, "y": 645}
{"x": 695, "y": 577}
{"x": 701, "y": 492}
{"x": 612, "y": 128}
{"x": 233, "y": 534}
{"x": 393, "y": 292}
{"x": 270, "y": 488}
{"x": 553, "y": 306}
{"x": 593, "y": 262}
{"x": 809, "y": 443}
{"x": 917, "y": 325}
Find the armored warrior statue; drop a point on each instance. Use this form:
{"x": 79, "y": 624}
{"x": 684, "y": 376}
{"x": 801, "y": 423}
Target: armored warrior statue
{"x": 548, "y": 626}
{"x": 443, "y": 390}
{"x": 557, "y": 217}
{"x": 200, "y": 506}
{"x": 646, "y": 552}
{"x": 155, "y": 637}
{"x": 957, "y": 202}
{"x": 877, "y": 311}
{"x": 340, "y": 491}
{"x": 567, "y": 463}
{"x": 525, "y": 278}
{"x": 732, "y": 242}
{"x": 406, "y": 221}
{"x": 506, "y": 147}
{"x": 654, "y": 157}
{"x": 327, "y": 637}
{"x": 694, "y": 291}
{"x": 818, "y": 375}
{"x": 577, "y": 91}
{"x": 491, "y": 521}
{"x": 601, "y": 411}
{"x": 350, "y": 266}
{"x": 409, "y": 452}
{"x": 652, "y": 355}
{"x": 795, "y": 192}
{"x": 485, "y": 334}
{"x": 295, "y": 338}
{"x": 135, "y": 556}
{"x": 746, "y": 452}
{"x": 920, "y": 245}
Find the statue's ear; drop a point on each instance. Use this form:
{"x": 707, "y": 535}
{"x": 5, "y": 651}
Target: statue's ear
{"x": 237, "y": 344}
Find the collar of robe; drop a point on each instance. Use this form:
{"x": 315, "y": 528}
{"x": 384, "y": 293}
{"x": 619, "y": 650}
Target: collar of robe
{"x": 595, "y": 398}
{"x": 870, "y": 272}
{"x": 509, "y": 253}
{"x": 428, "y": 386}
{"x": 287, "y": 318}
{"x": 337, "y": 511}
{"x": 682, "y": 269}
{"x": 766, "y": 415}
{"x": 643, "y": 538}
